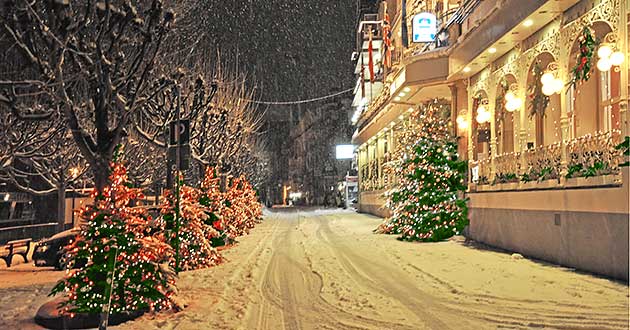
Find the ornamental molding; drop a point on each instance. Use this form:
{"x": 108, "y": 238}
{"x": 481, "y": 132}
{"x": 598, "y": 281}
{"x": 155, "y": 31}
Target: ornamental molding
{"x": 512, "y": 66}
{"x": 607, "y": 11}
{"x": 482, "y": 82}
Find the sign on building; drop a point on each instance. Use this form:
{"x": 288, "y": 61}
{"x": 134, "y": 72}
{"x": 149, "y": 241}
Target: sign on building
{"x": 424, "y": 27}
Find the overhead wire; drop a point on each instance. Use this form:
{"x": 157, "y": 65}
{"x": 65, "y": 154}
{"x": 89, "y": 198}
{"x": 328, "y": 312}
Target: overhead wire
{"x": 301, "y": 101}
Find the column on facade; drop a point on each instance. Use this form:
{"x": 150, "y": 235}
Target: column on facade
{"x": 360, "y": 163}
{"x": 624, "y": 40}
{"x": 523, "y": 121}
{"x": 469, "y": 118}
{"x": 565, "y": 131}
{"x": 491, "y": 106}
{"x": 379, "y": 159}
{"x": 453, "y": 89}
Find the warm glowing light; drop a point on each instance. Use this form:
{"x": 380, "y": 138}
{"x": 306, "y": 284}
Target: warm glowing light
{"x": 481, "y": 108}
{"x": 604, "y": 51}
{"x": 509, "y": 96}
{"x": 467, "y": 69}
{"x": 604, "y": 64}
{"x": 557, "y": 85}
{"x": 528, "y": 23}
{"x": 397, "y": 99}
{"x": 547, "y": 78}
{"x": 483, "y": 117}
{"x": 617, "y": 58}
{"x": 402, "y": 94}
{"x": 548, "y": 89}
{"x": 407, "y": 89}
{"x": 492, "y": 50}
{"x": 462, "y": 123}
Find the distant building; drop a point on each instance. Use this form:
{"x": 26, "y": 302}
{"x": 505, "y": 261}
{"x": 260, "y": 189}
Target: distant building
{"x": 313, "y": 169}
{"x": 543, "y": 179}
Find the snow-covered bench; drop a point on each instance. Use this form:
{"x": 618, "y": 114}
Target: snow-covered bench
{"x": 20, "y": 247}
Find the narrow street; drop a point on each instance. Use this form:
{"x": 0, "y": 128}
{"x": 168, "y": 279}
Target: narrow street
{"x": 327, "y": 270}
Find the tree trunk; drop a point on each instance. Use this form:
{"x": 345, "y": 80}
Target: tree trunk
{"x": 100, "y": 170}
{"x": 61, "y": 206}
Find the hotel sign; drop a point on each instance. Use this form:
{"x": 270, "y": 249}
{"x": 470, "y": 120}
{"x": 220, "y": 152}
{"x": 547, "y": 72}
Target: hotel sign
{"x": 424, "y": 27}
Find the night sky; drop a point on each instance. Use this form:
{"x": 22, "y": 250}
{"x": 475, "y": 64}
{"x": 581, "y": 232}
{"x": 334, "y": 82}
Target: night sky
{"x": 289, "y": 49}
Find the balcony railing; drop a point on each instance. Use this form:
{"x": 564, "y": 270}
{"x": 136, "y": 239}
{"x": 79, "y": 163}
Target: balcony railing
{"x": 589, "y": 156}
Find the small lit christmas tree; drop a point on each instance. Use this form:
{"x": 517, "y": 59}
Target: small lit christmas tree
{"x": 242, "y": 209}
{"x": 195, "y": 232}
{"x": 118, "y": 242}
{"x": 211, "y": 198}
{"x": 425, "y": 202}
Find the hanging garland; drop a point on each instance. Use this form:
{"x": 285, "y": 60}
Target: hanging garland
{"x": 539, "y": 101}
{"x": 499, "y": 104}
{"x": 582, "y": 69}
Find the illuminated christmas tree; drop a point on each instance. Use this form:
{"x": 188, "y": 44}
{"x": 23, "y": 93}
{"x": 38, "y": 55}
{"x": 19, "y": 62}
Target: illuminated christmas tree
{"x": 425, "y": 202}
{"x": 118, "y": 242}
{"x": 194, "y": 233}
{"x": 212, "y": 199}
{"x": 242, "y": 210}
{"x": 233, "y": 212}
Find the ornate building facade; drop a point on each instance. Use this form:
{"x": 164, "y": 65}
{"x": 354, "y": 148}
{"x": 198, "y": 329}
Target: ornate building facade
{"x": 540, "y": 138}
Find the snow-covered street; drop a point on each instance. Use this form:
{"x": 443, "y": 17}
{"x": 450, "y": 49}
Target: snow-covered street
{"x": 327, "y": 270}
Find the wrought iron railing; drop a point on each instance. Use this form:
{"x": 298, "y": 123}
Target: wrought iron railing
{"x": 586, "y": 156}
{"x": 507, "y": 167}
{"x": 542, "y": 163}
{"x": 594, "y": 154}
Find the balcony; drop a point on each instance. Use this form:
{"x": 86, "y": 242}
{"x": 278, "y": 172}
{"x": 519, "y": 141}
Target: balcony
{"x": 591, "y": 161}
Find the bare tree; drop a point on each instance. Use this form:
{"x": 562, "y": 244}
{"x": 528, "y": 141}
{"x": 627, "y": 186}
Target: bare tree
{"x": 224, "y": 123}
{"x": 39, "y": 158}
{"x": 89, "y": 63}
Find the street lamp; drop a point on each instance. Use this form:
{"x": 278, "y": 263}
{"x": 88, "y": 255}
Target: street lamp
{"x": 74, "y": 174}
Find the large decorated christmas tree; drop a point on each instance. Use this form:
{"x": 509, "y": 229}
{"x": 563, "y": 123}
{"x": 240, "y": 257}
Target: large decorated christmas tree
{"x": 426, "y": 199}
{"x": 126, "y": 256}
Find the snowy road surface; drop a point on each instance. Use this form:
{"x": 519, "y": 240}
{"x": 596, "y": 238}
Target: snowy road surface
{"x": 326, "y": 270}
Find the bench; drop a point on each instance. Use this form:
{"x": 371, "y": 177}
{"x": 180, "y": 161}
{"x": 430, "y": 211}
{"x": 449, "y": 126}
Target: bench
{"x": 20, "y": 247}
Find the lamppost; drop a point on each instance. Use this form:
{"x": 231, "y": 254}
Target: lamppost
{"x": 74, "y": 174}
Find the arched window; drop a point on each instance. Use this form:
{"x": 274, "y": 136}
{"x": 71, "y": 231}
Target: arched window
{"x": 593, "y": 105}
{"x": 543, "y": 112}
{"x": 480, "y": 129}
{"x": 504, "y": 119}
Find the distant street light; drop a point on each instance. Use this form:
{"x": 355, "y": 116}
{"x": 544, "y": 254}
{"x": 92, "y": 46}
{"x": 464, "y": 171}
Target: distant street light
{"x": 344, "y": 151}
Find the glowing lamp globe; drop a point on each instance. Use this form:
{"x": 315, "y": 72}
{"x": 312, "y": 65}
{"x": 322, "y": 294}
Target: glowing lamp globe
{"x": 480, "y": 118}
{"x": 557, "y": 85}
{"x": 548, "y": 89}
{"x": 509, "y": 106}
{"x": 604, "y": 51}
{"x": 461, "y": 122}
{"x": 603, "y": 64}
{"x": 513, "y": 104}
{"x": 509, "y": 96}
{"x": 617, "y": 58}
{"x": 481, "y": 108}
{"x": 486, "y": 116}
{"x": 547, "y": 78}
